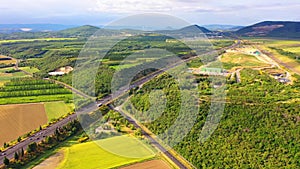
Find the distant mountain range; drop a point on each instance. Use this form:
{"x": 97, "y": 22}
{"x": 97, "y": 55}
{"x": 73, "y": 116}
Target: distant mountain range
{"x": 189, "y": 31}
{"x": 12, "y": 28}
{"x": 81, "y": 31}
{"x": 216, "y": 27}
{"x": 281, "y": 29}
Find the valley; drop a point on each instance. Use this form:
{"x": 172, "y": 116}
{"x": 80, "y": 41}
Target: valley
{"x": 259, "y": 126}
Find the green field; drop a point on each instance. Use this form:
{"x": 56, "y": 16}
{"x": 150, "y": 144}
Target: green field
{"x": 36, "y": 99}
{"x": 56, "y": 110}
{"x": 31, "y": 90}
{"x": 29, "y": 69}
{"x": 8, "y": 76}
{"x": 90, "y": 155}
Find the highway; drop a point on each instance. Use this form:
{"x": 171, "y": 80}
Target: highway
{"x": 9, "y": 153}
{"x": 152, "y": 140}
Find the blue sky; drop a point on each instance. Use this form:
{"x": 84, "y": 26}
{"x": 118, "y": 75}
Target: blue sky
{"x": 101, "y": 12}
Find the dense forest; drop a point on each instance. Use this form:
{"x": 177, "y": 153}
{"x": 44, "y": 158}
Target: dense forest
{"x": 259, "y": 127}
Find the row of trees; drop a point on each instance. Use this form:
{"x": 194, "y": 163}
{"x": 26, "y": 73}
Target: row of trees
{"x": 26, "y": 81}
{"x": 34, "y": 93}
{"x": 29, "y": 87}
{"x": 287, "y": 53}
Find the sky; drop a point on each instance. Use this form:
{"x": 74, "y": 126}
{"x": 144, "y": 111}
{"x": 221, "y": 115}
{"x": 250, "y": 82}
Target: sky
{"x": 102, "y": 12}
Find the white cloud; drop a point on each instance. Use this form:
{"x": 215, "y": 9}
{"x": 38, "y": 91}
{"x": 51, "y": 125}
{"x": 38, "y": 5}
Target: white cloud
{"x": 233, "y": 11}
{"x": 138, "y": 6}
{"x": 181, "y": 6}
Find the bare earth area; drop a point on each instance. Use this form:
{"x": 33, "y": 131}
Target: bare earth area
{"x": 19, "y": 119}
{"x": 51, "y": 162}
{"x": 153, "y": 164}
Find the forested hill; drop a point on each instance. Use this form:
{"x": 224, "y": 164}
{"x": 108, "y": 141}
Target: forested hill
{"x": 87, "y": 30}
{"x": 280, "y": 29}
{"x": 188, "y": 31}
{"x": 82, "y": 31}
{"x": 78, "y": 32}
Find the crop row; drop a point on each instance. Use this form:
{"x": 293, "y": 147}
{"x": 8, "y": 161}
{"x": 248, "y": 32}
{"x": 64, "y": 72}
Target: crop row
{"x": 27, "y": 81}
{"x": 29, "y": 87}
{"x": 34, "y": 93}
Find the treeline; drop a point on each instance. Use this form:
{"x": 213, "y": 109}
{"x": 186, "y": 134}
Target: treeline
{"x": 3, "y": 65}
{"x": 23, "y": 87}
{"x": 287, "y": 53}
{"x": 34, "y": 92}
{"x": 27, "y": 81}
{"x": 29, "y": 87}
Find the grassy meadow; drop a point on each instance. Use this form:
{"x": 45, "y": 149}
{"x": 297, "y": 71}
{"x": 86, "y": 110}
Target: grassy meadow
{"x": 232, "y": 60}
{"x": 91, "y": 155}
{"x": 58, "y": 109}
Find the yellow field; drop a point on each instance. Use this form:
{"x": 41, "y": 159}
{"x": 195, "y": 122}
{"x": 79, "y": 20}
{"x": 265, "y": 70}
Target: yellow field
{"x": 285, "y": 61}
{"x": 101, "y": 154}
{"x": 286, "y": 45}
{"x": 241, "y": 60}
{"x": 19, "y": 119}
{"x": 12, "y": 61}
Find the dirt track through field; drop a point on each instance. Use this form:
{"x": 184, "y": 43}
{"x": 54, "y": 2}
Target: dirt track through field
{"x": 51, "y": 162}
{"x": 153, "y": 164}
{"x": 19, "y": 119}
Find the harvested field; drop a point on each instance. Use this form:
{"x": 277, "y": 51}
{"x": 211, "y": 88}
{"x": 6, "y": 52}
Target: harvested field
{"x": 52, "y": 162}
{"x": 152, "y": 164}
{"x": 19, "y": 119}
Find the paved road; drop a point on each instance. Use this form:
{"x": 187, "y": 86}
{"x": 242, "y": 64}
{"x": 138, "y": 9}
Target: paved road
{"x": 37, "y": 137}
{"x": 9, "y": 153}
{"x": 238, "y": 76}
{"x": 152, "y": 140}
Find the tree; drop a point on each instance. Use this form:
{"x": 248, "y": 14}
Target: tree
{"x": 19, "y": 139}
{"x": 49, "y": 140}
{"x": 6, "y": 161}
{"x": 118, "y": 128}
{"x": 22, "y": 152}
{"x": 5, "y": 145}
{"x": 32, "y": 147}
{"x": 16, "y": 156}
{"x": 138, "y": 132}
